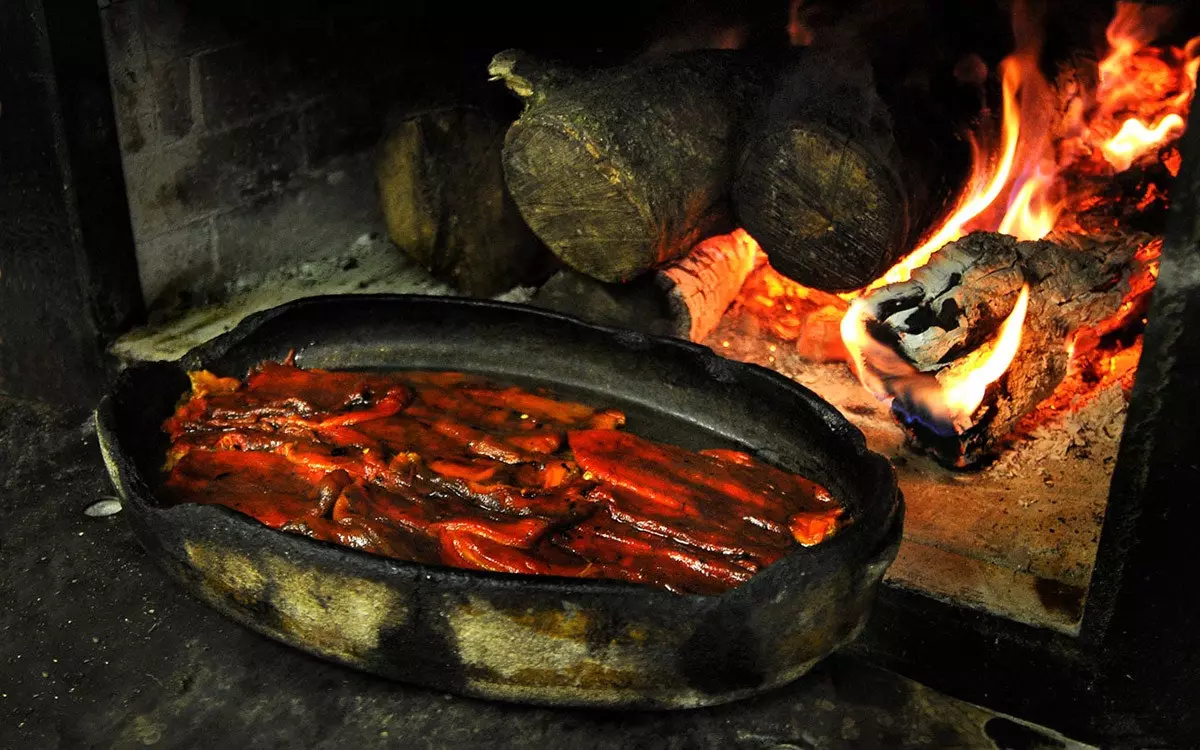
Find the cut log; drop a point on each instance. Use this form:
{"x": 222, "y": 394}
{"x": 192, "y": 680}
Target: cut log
{"x": 623, "y": 169}
{"x": 847, "y": 170}
{"x": 442, "y": 188}
{"x": 940, "y": 323}
{"x": 684, "y": 299}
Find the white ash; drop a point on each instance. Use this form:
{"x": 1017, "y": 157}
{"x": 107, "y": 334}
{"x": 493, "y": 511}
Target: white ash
{"x": 1087, "y": 433}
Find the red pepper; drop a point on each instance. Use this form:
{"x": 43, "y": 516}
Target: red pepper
{"x": 451, "y": 468}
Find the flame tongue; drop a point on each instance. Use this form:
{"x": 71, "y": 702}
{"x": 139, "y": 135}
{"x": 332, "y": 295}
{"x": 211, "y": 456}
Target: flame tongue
{"x": 963, "y": 389}
{"x": 945, "y": 405}
{"x": 1135, "y": 139}
{"x": 1140, "y": 103}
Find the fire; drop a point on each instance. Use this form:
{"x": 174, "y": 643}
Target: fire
{"x": 946, "y": 404}
{"x": 1049, "y": 156}
{"x": 1155, "y": 84}
{"x": 963, "y": 392}
{"x": 983, "y": 188}
{"x": 1135, "y": 139}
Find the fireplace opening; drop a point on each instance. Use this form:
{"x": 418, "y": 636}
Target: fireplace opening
{"x": 949, "y": 222}
{"x": 1005, "y": 432}
{"x": 1027, "y": 160}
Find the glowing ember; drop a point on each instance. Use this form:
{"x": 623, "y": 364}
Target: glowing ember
{"x": 799, "y": 33}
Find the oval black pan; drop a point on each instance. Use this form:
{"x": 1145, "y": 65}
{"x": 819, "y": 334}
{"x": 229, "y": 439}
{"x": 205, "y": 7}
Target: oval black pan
{"x": 522, "y": 638}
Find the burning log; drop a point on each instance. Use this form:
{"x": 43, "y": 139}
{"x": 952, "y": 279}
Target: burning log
{"x": 684, "y": 299}
{"x": 847, "y": 171}
{"x": 623, "y": 169}
{"x": 926, "y": 336}
{"x": 444, "y": 199}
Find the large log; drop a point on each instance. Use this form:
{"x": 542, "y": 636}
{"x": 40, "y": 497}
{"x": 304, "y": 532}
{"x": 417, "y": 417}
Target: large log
{"x": 442, "y": 189}
{"x": 848, "y": 169}
{"x": 684, "y": 299}
{"x": 622, "y": 169}
{"x": 926, "y": 331}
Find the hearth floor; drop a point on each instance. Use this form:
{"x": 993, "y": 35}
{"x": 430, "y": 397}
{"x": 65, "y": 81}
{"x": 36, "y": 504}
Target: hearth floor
{"x": 100, "y": 650}
{"x": 1016, "y": 538}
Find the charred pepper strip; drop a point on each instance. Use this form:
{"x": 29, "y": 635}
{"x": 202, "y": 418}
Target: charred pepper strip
{"x": 624, "y": 553}
{"x": 471, "y": 551}
{"x": 676, "y": 477}
{"x": 262, "y": 485}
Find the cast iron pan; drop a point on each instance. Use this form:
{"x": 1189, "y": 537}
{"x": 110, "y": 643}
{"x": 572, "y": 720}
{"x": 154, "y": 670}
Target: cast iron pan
{"x": 522, "y": 638}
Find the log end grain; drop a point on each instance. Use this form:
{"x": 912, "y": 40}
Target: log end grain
{"x": 828, "y": 212}
{"x": 444, "y": 200}
{"x": 575, "y": 200}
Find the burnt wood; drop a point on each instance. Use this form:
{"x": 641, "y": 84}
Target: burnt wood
{"x": 619, "y": 170}
{"x": 442, "y": 188}
{"x": 537, "y": 639}
{"x": 685, "y": 299}
{"x": 1081, "y": 288}
{"x": 68, "y": 274}
{"x": 956, "y": 301}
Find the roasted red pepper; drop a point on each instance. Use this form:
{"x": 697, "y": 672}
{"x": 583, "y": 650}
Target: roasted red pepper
{"x": 449, "y": 468}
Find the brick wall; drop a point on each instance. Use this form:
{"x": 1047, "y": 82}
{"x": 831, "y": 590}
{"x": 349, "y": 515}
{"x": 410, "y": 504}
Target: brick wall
{"x": 247, "y": 140}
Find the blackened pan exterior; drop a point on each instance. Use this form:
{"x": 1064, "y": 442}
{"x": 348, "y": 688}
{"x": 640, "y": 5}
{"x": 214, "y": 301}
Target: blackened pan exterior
{"x": 522, "y": 638}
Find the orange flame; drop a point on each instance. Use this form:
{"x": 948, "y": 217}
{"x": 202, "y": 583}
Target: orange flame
{"x": 963, "y": 392}
{"x": 948, "y": 403}
{"x": 1020, "y": 187}
{"x": 1135, "y": 139}
{"x": 1157, "y": 84}
{"x": 1140, "y": 84}
{"x": 989, "y": 179}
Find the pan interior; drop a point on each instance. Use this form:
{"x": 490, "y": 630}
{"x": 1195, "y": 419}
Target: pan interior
{"x": 671, "y": 391}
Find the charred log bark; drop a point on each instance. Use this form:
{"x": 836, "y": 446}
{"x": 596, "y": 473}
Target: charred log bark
{"x": 848, "y": 169}
{"x": 1081, "y": 288}
{"x": 684, "y": 299}
{"x": 624, "y": 169}
{"x": 442, "y": 188}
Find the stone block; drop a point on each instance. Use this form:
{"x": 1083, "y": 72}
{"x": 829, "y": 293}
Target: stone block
{"x": 173, "y": 87}
{"x": 211, "y": 172}
{"x": 177, "y": 264}
{"x": 129, "y": 75}
{"x": 311, "y": 221}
